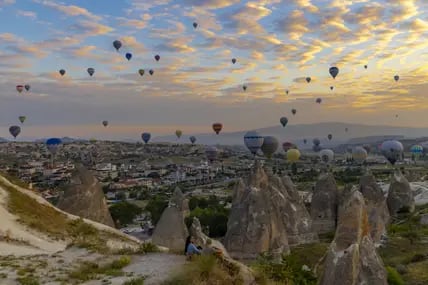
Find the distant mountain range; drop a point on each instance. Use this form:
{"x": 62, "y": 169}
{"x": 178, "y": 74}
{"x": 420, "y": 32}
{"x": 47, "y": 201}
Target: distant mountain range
{"x": 296, "y": 133}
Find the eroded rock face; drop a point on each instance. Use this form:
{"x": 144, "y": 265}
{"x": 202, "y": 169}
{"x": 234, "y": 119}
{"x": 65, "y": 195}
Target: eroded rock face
{"x": 85, "y": 198}
{"x": 377, "y": 209}
{"x": 324, "y": 204}
{"x": 400, "y": 196}
{"x": 266, "y": 216}
{"x": 352, "y": 258}
{"x": 171, "y": 231}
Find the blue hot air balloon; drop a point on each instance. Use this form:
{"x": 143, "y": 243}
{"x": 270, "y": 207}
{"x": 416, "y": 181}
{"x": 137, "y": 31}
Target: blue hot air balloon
{"x": 392, "y": 150}
{"x": 192, "y": 139}
{"x": 117, "y": 44}
{"x": 53, "y": 144}
{"x": 253, "y": 141}
{"x": 15, "y": 131}
{"x": 146, "y": 137}
{"x": 128, "y": 55}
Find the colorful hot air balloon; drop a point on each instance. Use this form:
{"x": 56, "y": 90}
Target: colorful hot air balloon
{"x": 195, "y": 25}
{"x": 178, "y": 133}
{"x": 27, "y": 87}
{"x": 326, "y": 155}
{"x": 293, "y": 111}
{"x": 22, "y": 119}
{"x": 293, "y": 155}
{"x": 53, "y": 144}
{"x": 141, "y": 72}
{"x": 62, "y": 72}
{"x": 269, "y": 146}
{"x": 151, "y": 71}
{"x": 416, "y": 151}
{"x": 15, "y": 131}
{"x": 287, "y": 146}
{"x": 359, "y": 154}
{"x": 90, "y": 71}
{"x": 117, "y": 44}
{"x": 192, "y": 139}
{"x": 146, "y": 137}
{"x": 396, "y": 78}
{"x": 105, "y": 123}
{"x": 211, "y": 153}
{"x": 283, "y": 121}
{"x": 19, "y": 88}
{"x": 334, "y": 71}
{"x": 330, "y": 136}
{"x": 128, "y": 55}
{"x": 319, "y": 100}
{"x": 392, "y": 150}
{"x": 157, "y": 57}
{"x": 253, "y": 141}
{"x": 233, "y": 60}
{"x": 217, "y": 127}
{"x": 308, "y": 79}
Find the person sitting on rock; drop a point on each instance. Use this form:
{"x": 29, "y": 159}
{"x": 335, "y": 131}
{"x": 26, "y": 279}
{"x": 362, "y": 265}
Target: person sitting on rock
{"x": 190, "y": 248}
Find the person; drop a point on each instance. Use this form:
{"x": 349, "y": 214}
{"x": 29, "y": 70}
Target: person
{"x": 210, "y": 249}
{"x": 190, "y": 248}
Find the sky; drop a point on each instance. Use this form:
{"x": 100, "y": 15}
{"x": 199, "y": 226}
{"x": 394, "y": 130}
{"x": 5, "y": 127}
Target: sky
{"x": 277, "y": 44}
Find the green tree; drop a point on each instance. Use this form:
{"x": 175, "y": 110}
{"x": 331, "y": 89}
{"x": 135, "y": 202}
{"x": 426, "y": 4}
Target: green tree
{"x": 155, "y": 206}
{"x": 124, "y": 212}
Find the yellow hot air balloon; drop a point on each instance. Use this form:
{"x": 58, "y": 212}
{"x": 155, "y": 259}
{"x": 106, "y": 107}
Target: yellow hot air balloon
{"x": 293, "y": 155}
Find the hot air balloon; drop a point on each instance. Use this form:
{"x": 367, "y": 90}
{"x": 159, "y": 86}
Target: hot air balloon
{"x": 293, "y": 155}
{"x": 22, "y": 119}
{"x": 105, "y": 123}
{"x": 269, "y": 146}
{"x": 15, "y": 131}
{"x": 253, "y": 141}
{"x": 308, "y": 79}
{"x": 19, "y": 88}
{"x": 417, "y": 151}
{"x": 157, "y": 57}
{"x": 330, "y": 136}
{"x": 151, "y": 71}
{"x": 305, "y": 141}
{"x": 233, "y": 60}
{"x": 286, "y": 91}
{"x": 365, "y": 66}
{"x": 211, "y": 153}
{"x": 178, "y": 133}
{"x": 217, "y": 127}
{"x": 117, "y": 44}
{"x": 92, "y": 140}
{"x": 195, "y": 25}
{"x": 53, "y": 144}
{"x": 346, "y": 129}
{"x": 62, "y": 72}
{"x": 91, "y": 71}
{"x": 192, "y": 139}
{"x": 293, "y": 111}
{"x": 396, "y": 77}
{"x": 287, "y": 146}
{"x": 146, "y": 137}
{"x": 244, "y": 87}
{"x": 392, "y": 150}
{"x": 27, "y": 87}
{"x": 283, "y": 121}
{"x": 141, "y": 72}
{"x": 319, "y": 100}
{"x": 367, "y": 148}
{"x": 359, "y": 154}
{"x": 326, "y": 155}
{"x": 316, "y": 141}
{"x": 334, "y": 71}
{"x": 128, "y": 55}
{"x": 331, "y": 88}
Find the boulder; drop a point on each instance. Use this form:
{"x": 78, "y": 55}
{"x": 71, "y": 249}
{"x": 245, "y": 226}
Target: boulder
{"x": 352, "y": 258}
{"x": 324, "y": 204}
{"x": 171, "y": 230}
{"x": 400, "y": 196}
{"x": 85, "y": 198}
{"x": 377, "y": 209}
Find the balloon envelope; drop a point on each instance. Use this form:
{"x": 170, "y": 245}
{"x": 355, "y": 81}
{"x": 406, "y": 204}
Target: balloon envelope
{"x": 105, "y": 123}
{"x": 178, "y": 133}
{"x": 293, "y": 111}
{"x": 117, "y": 44}
{"x": 293, "y": 155}
{"x": 316, "y": 142}
{"x": 141, "y": 72}
{"x": 91, "y": 71}
{"x": 253, "y": 141}
{"x": 233, "y": 60}
{"x": 62, "y": 72}
{"x": 319, "y": 100}
{"x": 359, "y": 154}
{"x": 326, "y": 155}
{"x": 52, "y": 144}
{"x": 192, "y": 139}
{"x": 22, "y": 119}
{"x": 15, "y": 131}
{"x": 151, "y": 71}
{"x": 392, "y": 150}
{"x": 157, "y": 57}
{"x": 146, "y": 137}
{"x": 334, "y": 71}
{"x": 128, "y": 56}
{"x": 217, "y": 127}
{"x": 308, "y": 79}
{"x": 195, "y": 25}
{"x": 330, "y": 136}
{"x": 211, "y": 152}
{"x": 396, "y": 77}
{"x": 269, "y": 146}
{"x": 19, "y": 88}
{"x": 283, "y": 121}
{"x": 27, "y": 87}
{"x": 287, "y": 146}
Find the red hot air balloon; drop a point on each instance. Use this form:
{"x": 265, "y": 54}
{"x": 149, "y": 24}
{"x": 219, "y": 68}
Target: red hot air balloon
{"x": 217, "y": 127}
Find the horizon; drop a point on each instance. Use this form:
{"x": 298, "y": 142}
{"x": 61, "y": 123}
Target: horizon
{"x": 195, "y": 83}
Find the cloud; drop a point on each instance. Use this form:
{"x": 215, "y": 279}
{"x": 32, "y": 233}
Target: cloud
{"x": 6, "y": 2}
{"x": 27, "y": 14}
{"x": 211, "y": 4}
{"x": 306, "y": 4}
{"x": 138, "y": 24}
{"x": 295, "y": 25}
{"x": 70, "y": 10}
{"x": 91, "y": 29}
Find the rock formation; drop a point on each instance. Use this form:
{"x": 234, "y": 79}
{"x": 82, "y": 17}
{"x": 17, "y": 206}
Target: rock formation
{"x": 171, "y": 231}
{"x": 85, "y": 198}
{"x": 352, "y": 258}
{"x": 265, "y": 217}
{"x": 324, "y": 204}
{"x": 377, "y": 209}
{"x": 400, "y": 195}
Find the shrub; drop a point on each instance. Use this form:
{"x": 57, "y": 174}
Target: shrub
{"x": 394, "y": 277}
{"x": 135, "y": 281}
